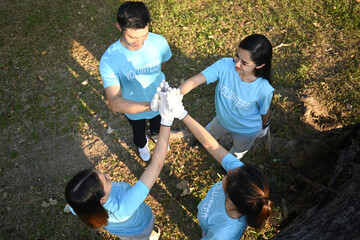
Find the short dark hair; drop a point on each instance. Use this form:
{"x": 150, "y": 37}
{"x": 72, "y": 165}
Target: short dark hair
{"x": 83, "y": 193}
{"x": 248, "y": 189}
{"x": 133, "y": 15}
{"x": 260, "y": 50}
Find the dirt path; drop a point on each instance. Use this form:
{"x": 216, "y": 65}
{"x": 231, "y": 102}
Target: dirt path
{"x": 33, "y": 187}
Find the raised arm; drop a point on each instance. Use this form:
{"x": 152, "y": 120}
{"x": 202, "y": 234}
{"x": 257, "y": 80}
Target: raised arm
{"x": 192, "y": 83}
{"x": 152, "y": 172}
{"x": 119, "y": 104}
{"x": 205, "y": 138}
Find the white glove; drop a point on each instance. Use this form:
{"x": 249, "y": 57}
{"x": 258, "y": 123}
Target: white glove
{"x": 164, "y": 86}
{"x": 263, "y": 132}
{"x": 167, "y": 116}
{"x": 179, "y": 112}
{"x": 176, "y": 106}
{"x": 174, "y": 97}
{"x": 154, "y": 105}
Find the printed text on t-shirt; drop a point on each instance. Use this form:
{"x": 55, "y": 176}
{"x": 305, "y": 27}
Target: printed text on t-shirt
{"x": 207, "y": 205}
{"x": 143, "y": 70}
{"x": 228, "y": 93}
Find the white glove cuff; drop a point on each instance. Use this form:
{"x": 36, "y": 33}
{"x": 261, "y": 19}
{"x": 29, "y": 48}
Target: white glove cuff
{"x": 183, "y": 115}
{"x": 167, "y": 122}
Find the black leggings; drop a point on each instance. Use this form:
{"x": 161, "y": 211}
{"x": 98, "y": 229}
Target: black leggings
{"x": 139, "y": 129}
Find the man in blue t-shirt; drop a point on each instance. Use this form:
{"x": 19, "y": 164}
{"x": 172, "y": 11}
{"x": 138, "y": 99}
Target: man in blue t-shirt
{"x": 131, "y": 70}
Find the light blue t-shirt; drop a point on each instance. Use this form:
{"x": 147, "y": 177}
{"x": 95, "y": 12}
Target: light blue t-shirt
{"x": 212, "y": 215}
{"x": 239, "y": 105}
{"x": 128, "y": 213}
{"x": 137, "y": 72}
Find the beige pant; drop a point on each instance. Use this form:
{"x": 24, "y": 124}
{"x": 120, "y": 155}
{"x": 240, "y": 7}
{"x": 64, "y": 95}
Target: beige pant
{"x": 241, "y": 143}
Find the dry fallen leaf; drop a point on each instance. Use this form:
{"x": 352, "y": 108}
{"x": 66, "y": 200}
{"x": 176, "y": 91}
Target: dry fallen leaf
{"x": 45, "y": 204}
{"x": 184, "y": 186}
{"x": 110, "y": 130}
{"x": 67, "y": 208}
{"x": 53, "y": 202}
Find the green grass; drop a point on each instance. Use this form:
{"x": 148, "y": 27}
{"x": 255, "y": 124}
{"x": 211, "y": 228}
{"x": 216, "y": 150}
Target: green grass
{"x": 49, "y": 47}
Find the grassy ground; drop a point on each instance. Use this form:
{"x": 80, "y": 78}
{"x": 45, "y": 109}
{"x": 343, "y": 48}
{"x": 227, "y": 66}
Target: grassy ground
{"x": 51, "y": 94}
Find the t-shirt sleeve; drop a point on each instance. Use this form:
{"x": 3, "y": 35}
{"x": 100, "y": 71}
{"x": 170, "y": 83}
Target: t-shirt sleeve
{"x": 107, "y": 73}
{"x": 230, "y": 162}
{"x": 131, "y": 201}
{"x": 166, "y": 52}
{"x": 72, "y": 210}
{"x": 212, "y": 73}
{"x": 161, "y": 44}
{"x": 265, "y": 99}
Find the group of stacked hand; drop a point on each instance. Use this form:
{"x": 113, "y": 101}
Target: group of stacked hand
{"x": 168, "y": 101}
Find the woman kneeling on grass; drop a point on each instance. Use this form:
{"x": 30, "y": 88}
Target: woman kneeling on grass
{"x": 241, "y": 199}
{"x": 118, "y": 206}
{"x": 243, "y": 94}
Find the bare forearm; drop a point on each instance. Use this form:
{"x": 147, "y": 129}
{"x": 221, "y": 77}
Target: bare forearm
{"x": 192, "y": 83}
{"x": 161, "y": 147}
{"x": 152, "y": 172}
{"x": 205, "y": 138}
{"x": 121, "y": 105}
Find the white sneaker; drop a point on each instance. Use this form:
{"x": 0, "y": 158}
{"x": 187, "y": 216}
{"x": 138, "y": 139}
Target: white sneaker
{"x": 155, "y": 235}
{"x": 154, "y": 138}
{"x": 145, "y": 153}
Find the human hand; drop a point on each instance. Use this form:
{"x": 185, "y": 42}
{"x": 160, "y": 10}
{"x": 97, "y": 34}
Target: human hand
{"x": 167, "y": 116}
{"x": 174, "y": 99}
{"x": 263, "y": 132}
{"x": 154, "y": 105}
{"x": 164, "y": 86}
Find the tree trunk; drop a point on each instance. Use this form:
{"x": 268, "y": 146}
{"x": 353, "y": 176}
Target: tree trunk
{"x": 329, "y": 165}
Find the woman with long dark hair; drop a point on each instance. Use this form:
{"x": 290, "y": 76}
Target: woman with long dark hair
{"x": 241, "y": 199}
{"x": 118, "y": 206}
{"x": 243, "y": 93}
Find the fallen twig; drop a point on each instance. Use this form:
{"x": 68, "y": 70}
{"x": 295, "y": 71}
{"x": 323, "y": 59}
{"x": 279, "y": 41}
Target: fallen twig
{"x": 281, "y": 45}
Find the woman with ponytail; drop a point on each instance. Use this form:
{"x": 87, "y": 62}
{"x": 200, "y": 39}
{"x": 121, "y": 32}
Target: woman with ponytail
{"x": 253, "y": 201}
{"x": 238, "y": 201}
{"x": 241, "y": 199}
